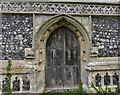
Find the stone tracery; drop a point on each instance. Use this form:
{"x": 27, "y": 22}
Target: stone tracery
{"x": 59, "y": 8}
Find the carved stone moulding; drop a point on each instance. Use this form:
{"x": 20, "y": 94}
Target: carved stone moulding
{"x": 59, "y": 8}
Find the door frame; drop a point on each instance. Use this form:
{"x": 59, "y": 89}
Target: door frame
{"x": 42, "y": 35}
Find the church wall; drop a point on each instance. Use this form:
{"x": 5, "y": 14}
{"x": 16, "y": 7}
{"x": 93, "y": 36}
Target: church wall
{"x": 17, "y": 41}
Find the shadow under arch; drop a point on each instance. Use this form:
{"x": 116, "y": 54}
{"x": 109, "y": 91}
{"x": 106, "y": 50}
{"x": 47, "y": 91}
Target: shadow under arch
{"x": 43, "y": 34}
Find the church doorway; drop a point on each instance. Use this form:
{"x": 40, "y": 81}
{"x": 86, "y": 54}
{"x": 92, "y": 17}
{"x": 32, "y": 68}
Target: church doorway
{"x": 62, "y": 59}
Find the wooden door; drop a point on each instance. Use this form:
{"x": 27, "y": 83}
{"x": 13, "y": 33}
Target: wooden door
{"x": 62, "y": 59}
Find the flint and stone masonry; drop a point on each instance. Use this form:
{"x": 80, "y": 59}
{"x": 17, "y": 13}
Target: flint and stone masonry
{"x": 56, "y": 44}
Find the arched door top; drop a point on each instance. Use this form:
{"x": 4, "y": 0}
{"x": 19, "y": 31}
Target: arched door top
{"x": 55, "y": 22}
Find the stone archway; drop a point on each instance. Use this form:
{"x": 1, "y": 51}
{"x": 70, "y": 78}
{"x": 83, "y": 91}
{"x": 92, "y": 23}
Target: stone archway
{"x": 43, "y": 35}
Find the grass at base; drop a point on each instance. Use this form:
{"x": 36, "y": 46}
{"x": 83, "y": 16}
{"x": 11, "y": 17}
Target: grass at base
{"x": 64, "y": 93}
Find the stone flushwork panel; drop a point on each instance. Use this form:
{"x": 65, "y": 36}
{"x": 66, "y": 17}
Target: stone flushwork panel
{"x": 58, "y": 8}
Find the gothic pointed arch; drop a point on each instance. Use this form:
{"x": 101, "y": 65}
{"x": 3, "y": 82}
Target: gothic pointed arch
{"x": 46, "y": 30}
{"x": 58, "y": 21}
